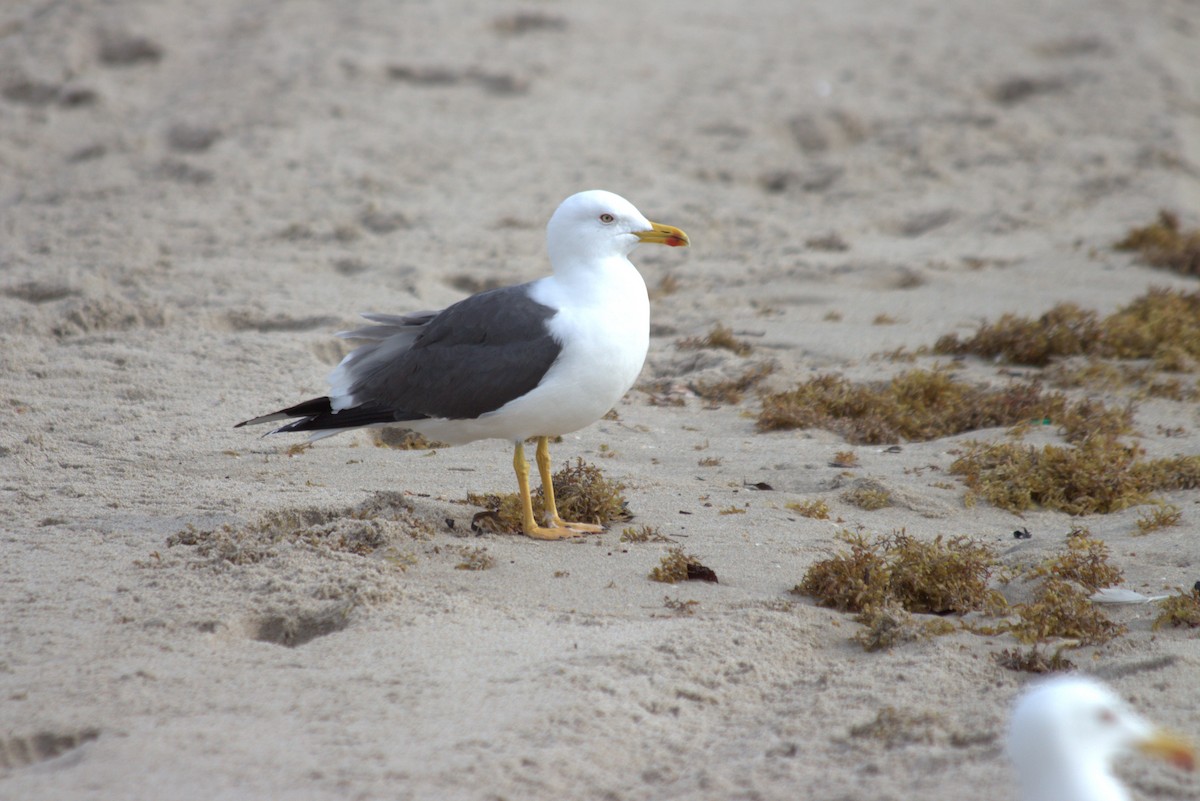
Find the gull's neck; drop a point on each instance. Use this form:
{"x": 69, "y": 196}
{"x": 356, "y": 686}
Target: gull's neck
{"x": 1085, "y": 779}
{"x": 603, "y": 280}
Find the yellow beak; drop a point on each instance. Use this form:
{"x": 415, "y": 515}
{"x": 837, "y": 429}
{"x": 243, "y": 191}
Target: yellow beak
{"x": 663, "y": 235}
{"x": 1170, "y": 747}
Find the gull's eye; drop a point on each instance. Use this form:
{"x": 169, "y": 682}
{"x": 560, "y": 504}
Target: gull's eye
{"x": 607, "y": 218}
{"x": 1107, "y": 716}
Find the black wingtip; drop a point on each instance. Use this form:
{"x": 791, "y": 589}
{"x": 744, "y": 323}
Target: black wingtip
{"x": 314, "y": 407}
{"x": 317, "y": 414}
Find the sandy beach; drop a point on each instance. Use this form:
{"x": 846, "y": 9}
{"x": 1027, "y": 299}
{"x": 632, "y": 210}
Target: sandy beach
{"x": 195, "y": 197}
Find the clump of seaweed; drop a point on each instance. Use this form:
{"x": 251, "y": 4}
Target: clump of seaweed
{"x": 1101, "y": 475}
{"x": 1163, "y": 326}
{"x": 719, "y": 337}
{"x": 1180, "y": 609}
{"x": 1061, "y": 610}
{"x": 1065, "y": 330}
{"x": 888, "y": 580}
{"x": 581, "y": 493}
{"x": 1161, "y": 516}
{"x": 643, "y": 534}
{"x": 676, "y": 566}
{"x": 815, "y": 509}
{"x": 1162, "y": 244}
{"x": 945, "y": 576}
{"x": 846, "y": 459}
{"x": 917, "y": 405}
{"x": 868, "y": 498}
{"x": 850, "y": 581}
{"x": 1085, "y": 562}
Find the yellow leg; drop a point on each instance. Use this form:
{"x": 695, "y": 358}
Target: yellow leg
{"x": 543, "y": 463}
{"x": 532, "y": 529}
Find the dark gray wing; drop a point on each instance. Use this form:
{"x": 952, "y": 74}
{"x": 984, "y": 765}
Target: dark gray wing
{"x": 467, "y": 360}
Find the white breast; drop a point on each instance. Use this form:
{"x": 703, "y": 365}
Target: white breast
{"x": 604, "y": 325}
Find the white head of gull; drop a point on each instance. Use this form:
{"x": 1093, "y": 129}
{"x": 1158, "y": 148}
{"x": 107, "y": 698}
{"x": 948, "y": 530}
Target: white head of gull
{"x": 1066, "y": 733}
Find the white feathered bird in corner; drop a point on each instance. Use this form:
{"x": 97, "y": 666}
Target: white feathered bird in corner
{"x": 1065, "y": 734}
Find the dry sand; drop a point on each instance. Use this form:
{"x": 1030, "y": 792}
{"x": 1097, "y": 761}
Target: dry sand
{"x": 195, "y": 196}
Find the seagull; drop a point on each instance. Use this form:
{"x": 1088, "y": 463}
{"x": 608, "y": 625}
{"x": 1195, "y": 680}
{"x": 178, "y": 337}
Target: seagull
{"x": 536, "y": 360}
{"x": 1065, "y": 733}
